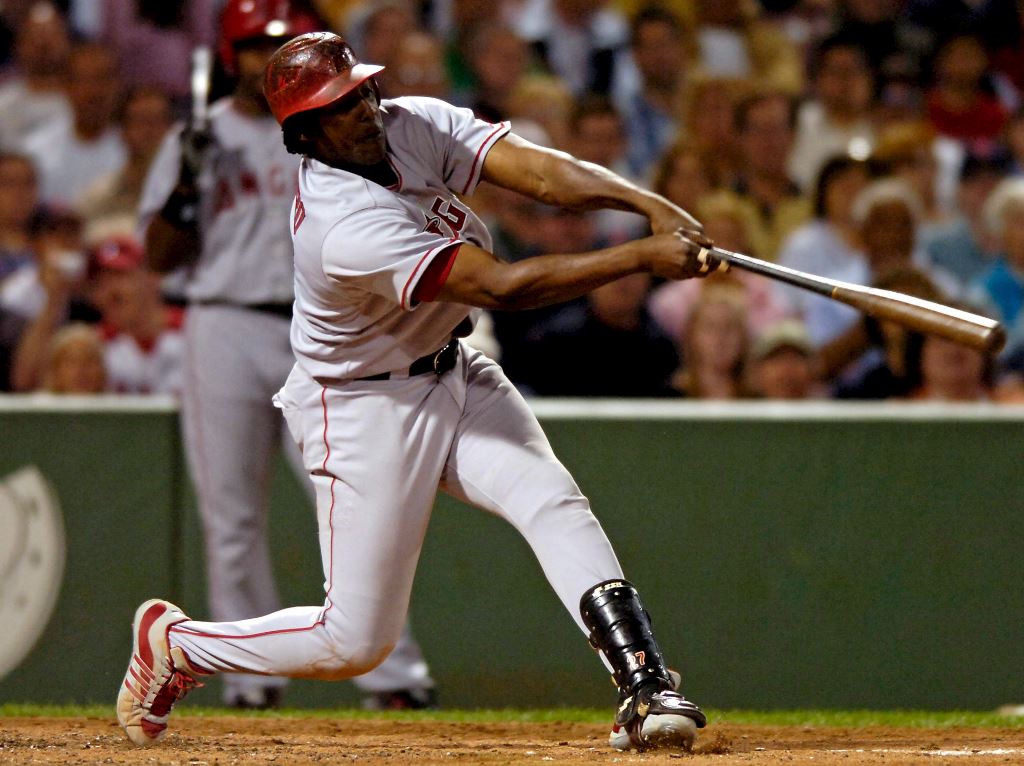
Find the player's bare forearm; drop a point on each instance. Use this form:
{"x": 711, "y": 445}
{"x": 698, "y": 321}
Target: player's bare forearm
{"x": 169, "y": 246}
{"x": 478, "y": 278}
{"x": 557, "y": 178}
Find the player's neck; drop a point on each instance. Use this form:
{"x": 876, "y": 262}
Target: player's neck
{"x": 380, "y": 173}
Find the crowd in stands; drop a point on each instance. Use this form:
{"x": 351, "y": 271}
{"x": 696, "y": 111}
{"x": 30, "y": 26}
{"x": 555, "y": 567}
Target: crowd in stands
{"x": 879, "y": 142}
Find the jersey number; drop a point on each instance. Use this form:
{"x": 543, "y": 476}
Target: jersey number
{"x": 450, "y": 213}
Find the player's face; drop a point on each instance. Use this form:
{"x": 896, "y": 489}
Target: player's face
{"x": 352, "y": 130}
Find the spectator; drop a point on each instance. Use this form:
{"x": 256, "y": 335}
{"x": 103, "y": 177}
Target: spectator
{"x": 828, "y": 246}
{"x": 711, "y": 124}
{"x": 729, "y": 224}
{"x": 888, "y": 213}
{"x": 378, "y": 26}
{"x": 682, "y": 175}
{"x": 153, "y": 40}
{"x": 908, "y": 151}
{"x": 652, "y": 106}
{"x": 963, "y": 247}
{"x": 571, "y": 350}
{"x": 578, "y": 40}
{"x": 734, "y": 41}
{"x": 109, "y": 206}
{"x": 765, "y": 131}
{"x": 417, "y": 69}
{"x": 836, "y": 120}
{"x": 597, "y": 134}
{"x": 782, "y": 363}
{"x": 885, "y": 355}
{"x": 19, "y": 199}
{"x": 999, "y": 290}
{"x": 497, "y": 60}
{"x": 952, "y": 372}
{"x": 73, "y": 154}
{"x": 545, "y": 102}
{"x": 959, "y": 105}
{"x": 143, "y": 342}
{"x": 715, "y": 346}
{"x": 34, "y": 96}
{"x": 74, "y": 361}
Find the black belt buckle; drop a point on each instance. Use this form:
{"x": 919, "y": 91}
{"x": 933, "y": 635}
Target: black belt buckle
{"x": 444, "y": 359}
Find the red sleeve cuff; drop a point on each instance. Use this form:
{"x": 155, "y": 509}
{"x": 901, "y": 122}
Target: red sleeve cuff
{"x": 429, "y": 285}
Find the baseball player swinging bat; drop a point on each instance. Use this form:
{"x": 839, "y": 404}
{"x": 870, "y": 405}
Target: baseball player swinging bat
{"x": 972, "y": 330}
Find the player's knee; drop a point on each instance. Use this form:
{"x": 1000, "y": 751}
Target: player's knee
{"x": 341, "y": 666}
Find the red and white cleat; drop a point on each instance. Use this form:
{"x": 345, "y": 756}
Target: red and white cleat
{"x": 157, "y": 676}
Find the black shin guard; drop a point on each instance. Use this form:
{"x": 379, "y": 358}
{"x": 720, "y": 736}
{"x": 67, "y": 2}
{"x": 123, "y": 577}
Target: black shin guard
{"x": 621, "y": 628}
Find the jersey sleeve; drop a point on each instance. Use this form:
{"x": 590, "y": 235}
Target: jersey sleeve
{"x": 160, "y": 180}
{"x": 466, "y": 142}
{"x": 382, "y": 251}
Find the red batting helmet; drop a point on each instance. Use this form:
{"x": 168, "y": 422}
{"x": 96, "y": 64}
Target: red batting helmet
{"x": 244, "y": 20}
{"x": 311, "y": 71}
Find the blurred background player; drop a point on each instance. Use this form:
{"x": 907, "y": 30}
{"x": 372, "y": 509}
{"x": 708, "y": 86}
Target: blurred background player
{"x": 220, "y": 203}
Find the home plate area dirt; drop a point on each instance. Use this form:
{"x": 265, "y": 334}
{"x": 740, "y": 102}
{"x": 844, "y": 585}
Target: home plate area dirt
{"x": 226, "y": 741}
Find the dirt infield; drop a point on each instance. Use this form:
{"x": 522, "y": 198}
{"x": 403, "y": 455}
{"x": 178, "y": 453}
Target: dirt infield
{"x": 227, "y": 741}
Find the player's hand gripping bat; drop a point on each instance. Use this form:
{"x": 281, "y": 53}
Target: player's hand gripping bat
{"x": 923, "y": 316}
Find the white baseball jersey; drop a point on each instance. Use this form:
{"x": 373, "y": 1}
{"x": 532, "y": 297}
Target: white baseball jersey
{"x": 360, "y": 248}
{"x": 153, "y": 368}
{"x": 246, "y": 188}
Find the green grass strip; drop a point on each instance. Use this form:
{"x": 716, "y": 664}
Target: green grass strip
{"x": 832, "y": 718}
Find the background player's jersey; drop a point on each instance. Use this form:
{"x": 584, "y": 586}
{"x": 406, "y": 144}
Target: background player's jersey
{"x": 360, "y": 248}
{"x": 247, "y": 186}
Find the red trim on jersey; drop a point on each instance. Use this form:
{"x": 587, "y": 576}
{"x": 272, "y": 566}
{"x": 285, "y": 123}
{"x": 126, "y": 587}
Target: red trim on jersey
{"x": 436, "y": 274}
{"x": 472, "y": 168}
{"x": 416, "y": 270}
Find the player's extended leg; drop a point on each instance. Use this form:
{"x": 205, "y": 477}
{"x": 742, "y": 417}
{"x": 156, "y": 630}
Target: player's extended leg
{"x": 376, "y": 461}
{"x": 502, "y": 462}
{"x": 231, "y": 434}
{"x": 404, "y": 676}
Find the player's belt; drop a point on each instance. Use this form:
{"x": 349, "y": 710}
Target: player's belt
{"x": 438, "y": 363}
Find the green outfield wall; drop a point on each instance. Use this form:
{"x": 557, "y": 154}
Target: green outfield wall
{"x": 791, "y": 556}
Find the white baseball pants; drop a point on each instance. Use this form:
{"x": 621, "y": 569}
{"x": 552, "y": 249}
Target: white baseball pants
{"x": 236, "y": 360}
{"x": 377, "y": 452}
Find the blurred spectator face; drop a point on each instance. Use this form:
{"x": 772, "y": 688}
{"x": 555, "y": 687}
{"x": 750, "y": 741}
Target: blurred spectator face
{"x": 94, "y": 86}
{"x": 785, "y": 373}
{"x": 725, "y": 13}
{"x": 75, "y": 364}
{"x": 844, "y": 82}
{"x": 712, "y": 117}
{"x": 717, "y": 335}
{"x": 726, "y": 231}
{"x": 251, "y": 59}
{"x": 383, "y": 31}
{"x": 687, "y": 180}
{"x": 147, "y": 118}
{"x": 417, "y": 68}
{"x": 564, "y": 231}
{"x": 126, "y": 298}
{"x": 952, "y": 372}
{"x": 469, "y": 13}
{"x": 1013, "y": 233}
{"x": 871, "y": 11}
{"x": 599, "y": 138}
{"x": 19, "y": 193}
{"x": 498, "y": 58}
{"x": 618, "y": 304}
{"x": 843, "y": 187}
{"x": 658, "y": 53}
{"x": 766, "y": 137}
{"x": 43, "y": 44}
{"x": 577, "y": 11}
{"x": 888, "y": 234}
{"x": 962, "y": 63}
{"x": 919, "y": 170}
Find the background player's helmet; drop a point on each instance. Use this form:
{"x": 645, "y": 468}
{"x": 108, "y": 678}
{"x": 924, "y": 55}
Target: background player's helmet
{"x": 311, "y": 71}
{"x": 244, "y": 20}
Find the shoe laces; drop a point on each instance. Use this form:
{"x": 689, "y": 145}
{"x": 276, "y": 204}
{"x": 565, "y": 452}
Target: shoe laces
{"x": 177, "y": 686}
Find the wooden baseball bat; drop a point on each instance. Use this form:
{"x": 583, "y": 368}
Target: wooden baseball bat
{"x": 972, "y": 330}
{"x": 202, "y": 68}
